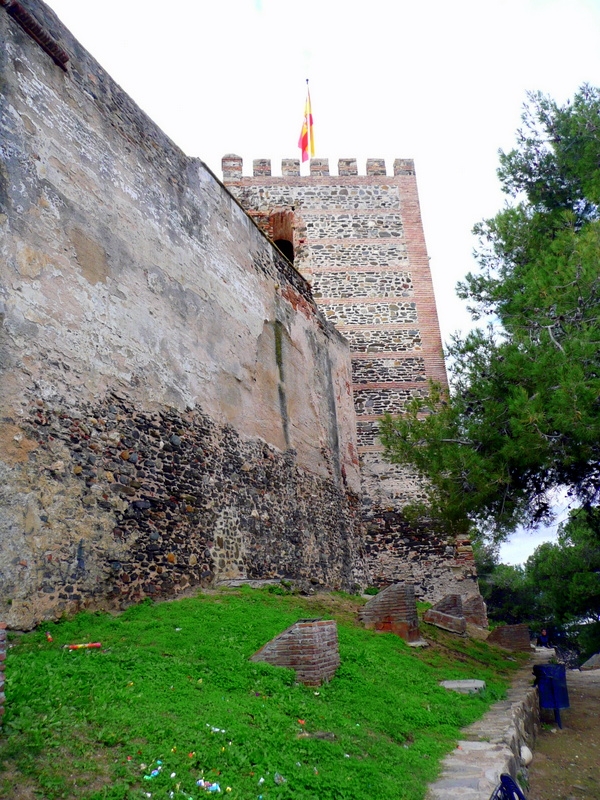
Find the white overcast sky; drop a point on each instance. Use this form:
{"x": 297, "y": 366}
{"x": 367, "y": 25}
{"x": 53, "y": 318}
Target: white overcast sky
{"x": 441, "y": 82}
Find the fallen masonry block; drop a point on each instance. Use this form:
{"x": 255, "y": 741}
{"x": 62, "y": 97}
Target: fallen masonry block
{"x": 475, "y": 611}
{"x": 393, "y": 610}
{"x": 448, "y": 614}
{"x": 464, "y": 687}
{"x": 511, "y": 637}
{"x": 592, "y": 663}
{"x": 310, "y": 647}
{"x": 450, "y": 604}
{"x": 446, "y": 621}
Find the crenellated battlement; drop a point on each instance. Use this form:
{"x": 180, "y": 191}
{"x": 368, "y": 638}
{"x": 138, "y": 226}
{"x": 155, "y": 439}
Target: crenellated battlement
{"x": 232, "y": 166}
{"x": 357, "y": 237}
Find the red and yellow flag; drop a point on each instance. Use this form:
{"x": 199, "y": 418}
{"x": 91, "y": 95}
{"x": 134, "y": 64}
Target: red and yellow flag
{"x": 306, "y": 142}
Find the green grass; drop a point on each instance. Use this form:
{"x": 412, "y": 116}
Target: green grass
{"x": 173, "y": 683}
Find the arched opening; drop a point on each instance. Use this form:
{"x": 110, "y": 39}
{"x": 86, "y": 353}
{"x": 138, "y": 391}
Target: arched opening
{"x": 282, "y": 231}
{"x": 287, "y": 248}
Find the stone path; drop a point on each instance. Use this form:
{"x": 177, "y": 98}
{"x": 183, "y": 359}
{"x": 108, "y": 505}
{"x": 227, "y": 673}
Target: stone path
{"x": 492, "y": 745}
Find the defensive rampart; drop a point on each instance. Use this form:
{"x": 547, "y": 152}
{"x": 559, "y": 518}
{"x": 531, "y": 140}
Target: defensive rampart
{"x": 175, "y": 408}
{"x": 358, "y": 239}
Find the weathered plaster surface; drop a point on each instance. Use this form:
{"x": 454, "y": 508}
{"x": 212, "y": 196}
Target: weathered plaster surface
{"x": 126, "y": 267}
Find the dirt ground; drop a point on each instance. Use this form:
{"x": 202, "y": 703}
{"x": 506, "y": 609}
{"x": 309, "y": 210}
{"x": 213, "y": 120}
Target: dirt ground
{"x": 566, "y": 763}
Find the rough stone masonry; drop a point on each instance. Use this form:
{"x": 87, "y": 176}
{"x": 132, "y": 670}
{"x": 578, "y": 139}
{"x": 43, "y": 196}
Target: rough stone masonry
{"x": 174, "y": 407}
{"x": 358, "y": 239}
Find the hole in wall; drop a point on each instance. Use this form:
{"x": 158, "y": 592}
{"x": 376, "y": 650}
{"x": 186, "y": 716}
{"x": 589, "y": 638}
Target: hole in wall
{"x": 287, "y": 248}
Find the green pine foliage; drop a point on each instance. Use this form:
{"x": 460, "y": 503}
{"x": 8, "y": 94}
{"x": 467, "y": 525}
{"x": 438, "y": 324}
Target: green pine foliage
{"x": 173, "y": 684}
{"x": 523, "y": 415}
{"x": 557, "y": 588}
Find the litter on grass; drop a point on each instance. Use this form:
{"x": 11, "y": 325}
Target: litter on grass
{"x": 88, "y": 646}
{"x": 279, "y": 779}
{"x": 208, "y": 786}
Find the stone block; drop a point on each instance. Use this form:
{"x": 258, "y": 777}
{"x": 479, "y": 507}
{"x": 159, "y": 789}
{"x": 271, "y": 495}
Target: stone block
{"x": 232, "y": 167}
{"x": 447, "y": 613}
{"x": 450, "y": 604}
{"x": 475, "y": 611}
{"x": 393, "y": 610}
{"x": 290, "y": 167}
{"x": 310, "y": 647}
{"x": 347, "y": 166}
{"x": 464, "y": 687}
{"x": 511, "y": 637}
{"x": 261, "y": 167}
{"x": 592, "y": 663}
{"x": 319, "y": 167}
{"x": 446, "y": 621}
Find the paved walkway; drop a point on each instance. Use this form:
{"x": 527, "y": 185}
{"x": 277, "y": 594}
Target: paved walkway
{"x": 492, "y": 745}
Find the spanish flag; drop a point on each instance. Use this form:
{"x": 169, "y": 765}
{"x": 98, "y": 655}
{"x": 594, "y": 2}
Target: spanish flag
{"x": 306, "y": 142}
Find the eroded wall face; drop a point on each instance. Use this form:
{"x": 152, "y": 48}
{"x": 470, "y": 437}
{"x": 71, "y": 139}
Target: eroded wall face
{"x": 174, "y": 407}
{"x": 359, "y": 240}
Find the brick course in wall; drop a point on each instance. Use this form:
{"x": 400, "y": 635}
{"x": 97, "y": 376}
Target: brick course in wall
{"x": 393, "y": 610}
{"x": 358, "y": 239}
{"x": 310, "y": 647}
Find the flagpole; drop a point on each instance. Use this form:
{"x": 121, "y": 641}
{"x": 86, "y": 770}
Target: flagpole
{"x": 310, "y": 133}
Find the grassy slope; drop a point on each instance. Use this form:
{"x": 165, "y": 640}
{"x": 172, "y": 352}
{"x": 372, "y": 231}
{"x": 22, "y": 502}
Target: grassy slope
{"x": 79, "y": 724}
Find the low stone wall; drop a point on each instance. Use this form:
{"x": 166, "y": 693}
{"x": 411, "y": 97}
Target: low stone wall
{"x": 491, "y": 746}
{"x": 394, "y": 610}
{"x": 511, "y": 637}
{"x": 310, "y": 647}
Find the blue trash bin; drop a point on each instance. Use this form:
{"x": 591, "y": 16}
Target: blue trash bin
{"x": 551, "y": 680}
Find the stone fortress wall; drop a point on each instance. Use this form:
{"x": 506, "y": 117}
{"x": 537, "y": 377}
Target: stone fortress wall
{"x": 358, "y": 240}
{"x": 175, "y": 409}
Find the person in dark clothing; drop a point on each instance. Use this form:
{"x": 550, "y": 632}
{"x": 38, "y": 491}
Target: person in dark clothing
{"x": 543, "y": 640}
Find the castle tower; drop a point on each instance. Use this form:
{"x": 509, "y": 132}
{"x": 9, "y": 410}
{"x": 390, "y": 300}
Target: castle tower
{"x": 358, "y": 240}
